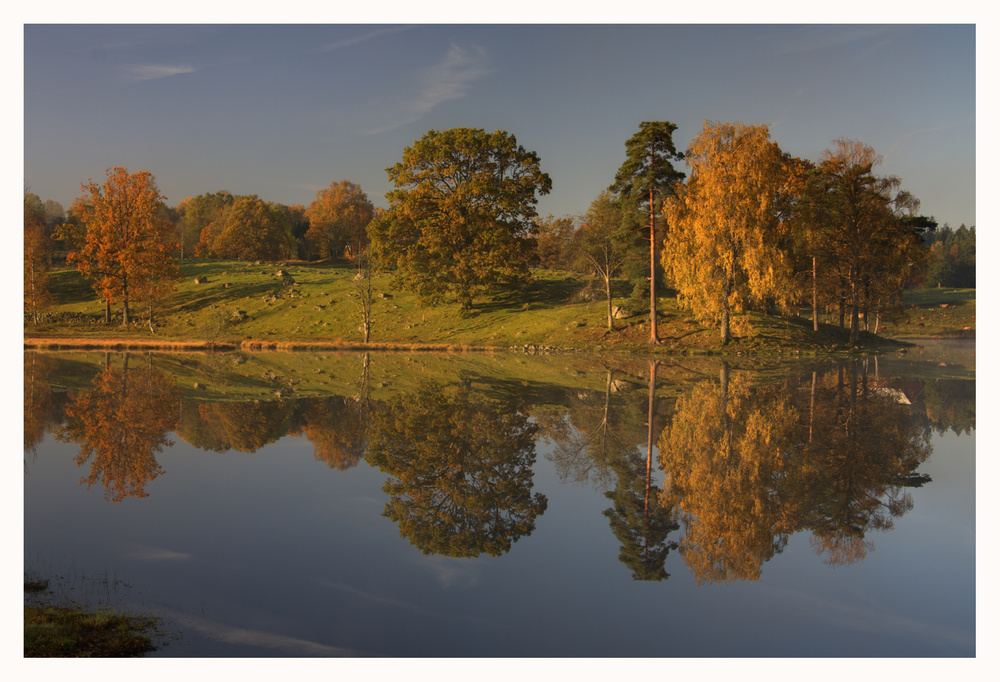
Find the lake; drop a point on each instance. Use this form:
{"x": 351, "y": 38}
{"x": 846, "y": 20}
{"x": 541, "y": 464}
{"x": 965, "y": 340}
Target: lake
{"x": 430, "y": 505}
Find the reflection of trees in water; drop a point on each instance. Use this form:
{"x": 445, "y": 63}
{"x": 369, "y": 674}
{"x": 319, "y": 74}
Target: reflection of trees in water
{"x": 599, "y": 439}
{"x": 37, "y": 399}
{"x": 747, "y": 466}
{"x": 865, "y": 449}
{"x": 247, "y": 426}
{"x": 638, "y": 517}
{"x": 951, "y": 405}
{"x": 120, "y": 425}
{"x": 721, "y": 458}
{"x": 337, "y": 427}
{"x": 460, "y": 468}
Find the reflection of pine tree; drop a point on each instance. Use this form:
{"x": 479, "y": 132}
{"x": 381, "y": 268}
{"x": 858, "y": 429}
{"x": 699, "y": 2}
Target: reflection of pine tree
{"x": 638, "y": 519}
{"x": 640, "y": 527}
{"x": 460, "y": 470}
{"x": 120, "y": 425}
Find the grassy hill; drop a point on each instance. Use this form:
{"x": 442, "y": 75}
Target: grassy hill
{"x": 308, "y": 305}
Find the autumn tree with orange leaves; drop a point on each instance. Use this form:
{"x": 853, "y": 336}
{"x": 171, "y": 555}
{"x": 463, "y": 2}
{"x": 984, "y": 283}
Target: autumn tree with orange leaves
{"x": 127, "y": 246}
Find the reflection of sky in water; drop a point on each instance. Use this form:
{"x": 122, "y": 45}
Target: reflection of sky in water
{"x": 274, "y": 553}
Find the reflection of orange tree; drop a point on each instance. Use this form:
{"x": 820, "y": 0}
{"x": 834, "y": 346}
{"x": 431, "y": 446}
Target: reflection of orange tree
{"x": 37, "y": 398}
{"x": 460, "y": 470}
{"x": 721, "y": 455}
{"x": 120, "y": 425}
{"x": 746, "y": 467}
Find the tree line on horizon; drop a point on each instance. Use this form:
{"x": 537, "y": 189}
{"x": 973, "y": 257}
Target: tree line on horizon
{"x": 749, "y": 228}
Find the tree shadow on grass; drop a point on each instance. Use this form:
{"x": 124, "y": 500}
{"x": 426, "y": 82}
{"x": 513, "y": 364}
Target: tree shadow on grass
{"x": 539, "y": 294}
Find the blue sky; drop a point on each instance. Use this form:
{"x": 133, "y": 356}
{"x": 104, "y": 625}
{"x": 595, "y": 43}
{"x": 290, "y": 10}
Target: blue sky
{"x": 282, "y": 111}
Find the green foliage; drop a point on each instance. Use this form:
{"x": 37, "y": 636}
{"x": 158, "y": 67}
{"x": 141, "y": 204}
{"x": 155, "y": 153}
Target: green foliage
{"x": 460, "y": 215}
{"x": 248, "y": 229}
{"x": 196, "y": 213}
{"x": 952, "y": 257}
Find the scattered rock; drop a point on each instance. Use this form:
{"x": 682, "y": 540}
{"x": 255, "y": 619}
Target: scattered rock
{"x": 201, "y": 280}
{"x": 199, "y": 386}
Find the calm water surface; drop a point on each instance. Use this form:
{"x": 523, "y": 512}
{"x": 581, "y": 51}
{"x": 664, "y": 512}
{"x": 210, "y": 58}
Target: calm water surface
{"x": 424, "y": 505}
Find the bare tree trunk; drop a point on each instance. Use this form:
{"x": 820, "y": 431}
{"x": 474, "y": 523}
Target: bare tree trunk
{"x": 653, "y": 337}
{"x": 607, "y": 290}
{"x": 815, "y": 299}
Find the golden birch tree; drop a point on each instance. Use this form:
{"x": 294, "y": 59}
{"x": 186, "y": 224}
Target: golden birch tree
{"x": 722, "y": 251}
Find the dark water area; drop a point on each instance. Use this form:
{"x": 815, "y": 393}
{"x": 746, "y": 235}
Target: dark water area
{"x": 419, "y": 505}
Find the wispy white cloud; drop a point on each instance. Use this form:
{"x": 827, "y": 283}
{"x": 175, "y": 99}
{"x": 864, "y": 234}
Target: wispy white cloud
{"x": 446, "y": 80}
{"x": 147, "y": 553}
{"x": 354, "y": 40}
{"x": 145, "y": 72}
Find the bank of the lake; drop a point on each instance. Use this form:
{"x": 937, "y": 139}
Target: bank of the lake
{"x": 226, "y": 305}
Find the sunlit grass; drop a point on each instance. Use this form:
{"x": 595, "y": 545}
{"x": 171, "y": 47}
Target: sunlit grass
{"x": 247, "y": 304}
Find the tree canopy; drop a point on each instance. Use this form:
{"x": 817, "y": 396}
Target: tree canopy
{"x": 643, "y": 181}
{"x": 248, "y": 229}
{"x": 337, "y": 220}
{"x": 723, "y": 249}
{"x": 460, "y": 215}
{"x": 127, "y": 246}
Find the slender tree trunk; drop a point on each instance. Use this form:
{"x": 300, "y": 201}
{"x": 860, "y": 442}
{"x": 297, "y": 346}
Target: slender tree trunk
{"x": 125, "y": 312}
{"x": 815, "y": 299}
{"x": 607, "y": 290}
{"x": 107, "y": 311}
{"x": 653, "y": 337}
{"x": 726, "y": 335}
{"x": 855, "y": 305}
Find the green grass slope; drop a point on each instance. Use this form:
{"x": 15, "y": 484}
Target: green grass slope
{"x": 298, "y": 304}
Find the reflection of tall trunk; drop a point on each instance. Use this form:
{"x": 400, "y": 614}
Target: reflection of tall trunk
{"x": 649, "y": 438}
{"x": 607, "y": 413}
{"x": 726, "y": 422}
{"x": 852, "y": 396}
{"x": 812, "y": 407}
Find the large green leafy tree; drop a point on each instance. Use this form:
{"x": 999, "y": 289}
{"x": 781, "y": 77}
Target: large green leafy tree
{"x": 460, "y": 215}
{"x": 643, "y": 181}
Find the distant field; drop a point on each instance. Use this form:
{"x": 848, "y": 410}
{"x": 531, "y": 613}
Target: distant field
{"x": 250, "y": 304}
{"x": 939, "y": 312}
